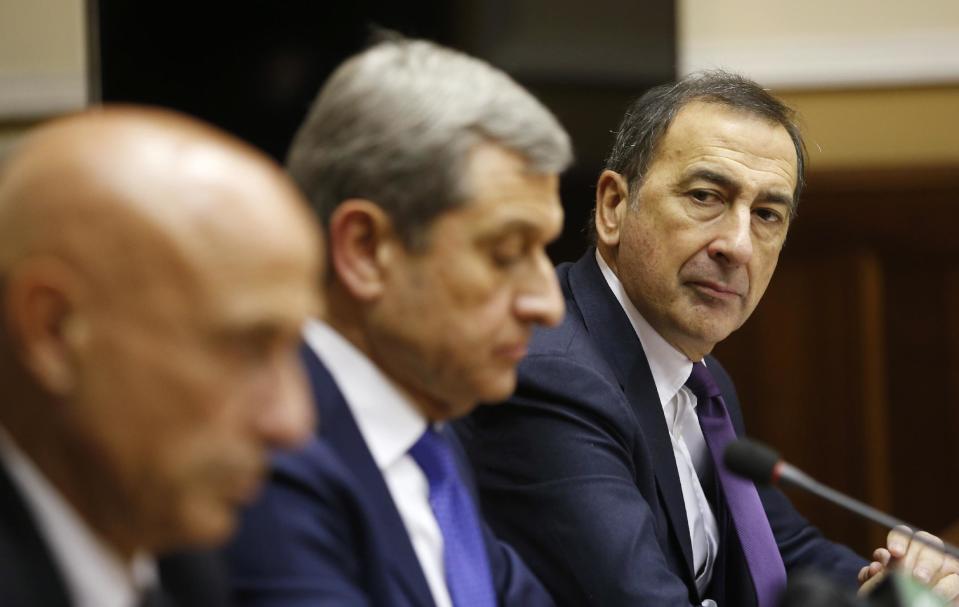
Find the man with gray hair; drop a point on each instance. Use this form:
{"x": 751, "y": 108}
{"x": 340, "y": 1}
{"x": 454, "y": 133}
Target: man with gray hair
{"x": 436, "y": 177}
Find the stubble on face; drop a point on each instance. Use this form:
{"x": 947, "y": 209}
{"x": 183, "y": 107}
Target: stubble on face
{"x": 702, "y": 236}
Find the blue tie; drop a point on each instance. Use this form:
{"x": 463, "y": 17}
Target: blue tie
{"x": 464, "y": 553}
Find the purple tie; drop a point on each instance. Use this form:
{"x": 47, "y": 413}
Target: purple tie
{"x": 464, "y": 552}
{"x": 752, "y": 527}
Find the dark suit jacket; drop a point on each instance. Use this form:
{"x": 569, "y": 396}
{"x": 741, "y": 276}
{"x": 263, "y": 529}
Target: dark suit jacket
{"x": 29, "y": 576}
{"x": 326, "y": 532}
{"x": 577, "y": 470}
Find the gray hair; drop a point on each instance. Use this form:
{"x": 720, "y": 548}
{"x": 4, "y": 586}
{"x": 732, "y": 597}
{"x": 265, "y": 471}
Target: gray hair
{"x": 395, "y": 125}
{"x": 648, "y": 118}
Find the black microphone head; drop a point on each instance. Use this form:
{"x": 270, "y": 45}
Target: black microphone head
{"x": 751, "y": 460}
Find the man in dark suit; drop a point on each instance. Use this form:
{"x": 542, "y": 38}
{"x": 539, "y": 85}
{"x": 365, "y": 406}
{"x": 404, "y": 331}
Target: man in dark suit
{"x": 602, "y": 468}
{"x": 154, "y": 274}
{"x": 436, "y": 178}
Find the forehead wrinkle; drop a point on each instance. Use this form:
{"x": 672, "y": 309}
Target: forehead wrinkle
{"x": 498, "y": 230}
{"x": 771, "y": 167}
{"x": 533, "y": 222}
{"x": 700, "y": 130}
{"x": 718, "y": 175}
{"x": 750, "y": 160}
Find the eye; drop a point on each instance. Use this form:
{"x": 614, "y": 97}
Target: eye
{"x": 705, "y": 197}
{"x": 251, "y": 345}
{"x": 252, "y": 349}
{"x": 505, "y": 260}
{"x": 768, "y": 215}
{"x": 508, "y": 252}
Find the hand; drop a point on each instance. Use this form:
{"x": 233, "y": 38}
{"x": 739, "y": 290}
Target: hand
{"x": 873, "y": 573}
{"x": 925, "y": 563}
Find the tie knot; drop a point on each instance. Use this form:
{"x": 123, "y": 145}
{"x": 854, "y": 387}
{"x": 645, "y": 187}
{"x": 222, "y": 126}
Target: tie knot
{"x": 701, "y": 382}
{"x": 433, "y": 455}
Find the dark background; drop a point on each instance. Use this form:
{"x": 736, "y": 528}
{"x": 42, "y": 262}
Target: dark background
{"x": 253, "y": 67}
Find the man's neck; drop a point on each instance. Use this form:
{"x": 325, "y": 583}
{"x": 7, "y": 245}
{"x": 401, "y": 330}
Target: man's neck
{"x": 348, "y": 325}
{"x": 94, "y": 569}
{"x": 65, "y": 463}
{"x": 695, "y": 352}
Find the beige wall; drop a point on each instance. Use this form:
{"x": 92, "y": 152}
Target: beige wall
{"x": 877, "y": 128}
{"x": 899, "y": 123}
{"x": 41, "y": 36}
{"x": 730, "y": 21}
{"x": 877, "y": 83}
{"x": 823, "y": 42}
{"x": 42, "y": 62}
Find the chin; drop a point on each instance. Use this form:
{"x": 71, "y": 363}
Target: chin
{"x": 491, "y": 388}
{"x": 500, "y": 389}
{"x": 209, "y": 526}
{"x": 706, "y": 330}
{"x": 717, "y": 334}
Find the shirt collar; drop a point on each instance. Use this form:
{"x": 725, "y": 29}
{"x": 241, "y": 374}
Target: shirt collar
{"x": 94, "y": 574}
{"x": 385, "y": 414}
{"x": 669, "y": 366}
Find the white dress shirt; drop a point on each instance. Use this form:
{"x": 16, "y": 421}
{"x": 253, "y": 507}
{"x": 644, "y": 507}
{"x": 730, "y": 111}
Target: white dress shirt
{"x": 390, "y": 425}
{"x": 670, "y": 369}
{"x": 94, "y": 574}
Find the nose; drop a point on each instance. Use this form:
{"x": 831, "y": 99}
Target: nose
{"x": 540, "y": 300}
{"x": 285, "y": 417}
{"x": 733, "y": 244}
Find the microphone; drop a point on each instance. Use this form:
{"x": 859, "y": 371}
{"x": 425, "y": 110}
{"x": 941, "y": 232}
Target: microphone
{"x": 763, "y": 466}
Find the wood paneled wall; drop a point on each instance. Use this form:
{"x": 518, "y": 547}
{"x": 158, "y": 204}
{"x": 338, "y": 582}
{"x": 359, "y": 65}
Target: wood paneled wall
{"x": 850, "y": 365}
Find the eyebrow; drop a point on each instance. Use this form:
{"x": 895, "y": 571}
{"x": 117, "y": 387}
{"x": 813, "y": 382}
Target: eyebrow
{"x": 726, "y": 182}
{"x": 522, "y": 226}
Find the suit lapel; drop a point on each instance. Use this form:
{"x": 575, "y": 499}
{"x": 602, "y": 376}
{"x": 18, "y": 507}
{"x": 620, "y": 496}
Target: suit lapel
{"x": 614, "y": 336}
{"x": 191, "y": 579}
{"x": 339, "y": 430}
{"x": 28, "y": 564}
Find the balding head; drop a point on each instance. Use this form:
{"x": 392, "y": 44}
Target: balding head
{"x": 138, "y": 173}
{"x": 154, "y": 274}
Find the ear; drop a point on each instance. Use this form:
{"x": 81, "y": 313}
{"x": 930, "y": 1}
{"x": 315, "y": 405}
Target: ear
{"x": 45, "y": 323}
{"x": 612, "y": 202}
{"x": 362, "y": 244}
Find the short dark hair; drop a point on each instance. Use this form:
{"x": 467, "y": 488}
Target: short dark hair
{"x": 648, "y": 118}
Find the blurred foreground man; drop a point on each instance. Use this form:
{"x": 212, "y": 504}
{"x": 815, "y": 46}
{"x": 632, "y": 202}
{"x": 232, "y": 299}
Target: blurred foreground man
{"x": 154, "y": 276}
{"x": 436, "y": 178}
{"x": 602, "y": 469}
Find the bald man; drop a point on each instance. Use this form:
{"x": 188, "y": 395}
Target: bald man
{"x": 154, "y": 275}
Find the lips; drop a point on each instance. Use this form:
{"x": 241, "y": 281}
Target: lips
{"x": 515, "y": 351}
{"x": 716, "y": 290}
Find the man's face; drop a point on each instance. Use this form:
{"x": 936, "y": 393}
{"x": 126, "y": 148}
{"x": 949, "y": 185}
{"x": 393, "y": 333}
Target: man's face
{"x": 191, "y": 375}
{"x": 457, "y": 316}
{"x": 699, "y": 243}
